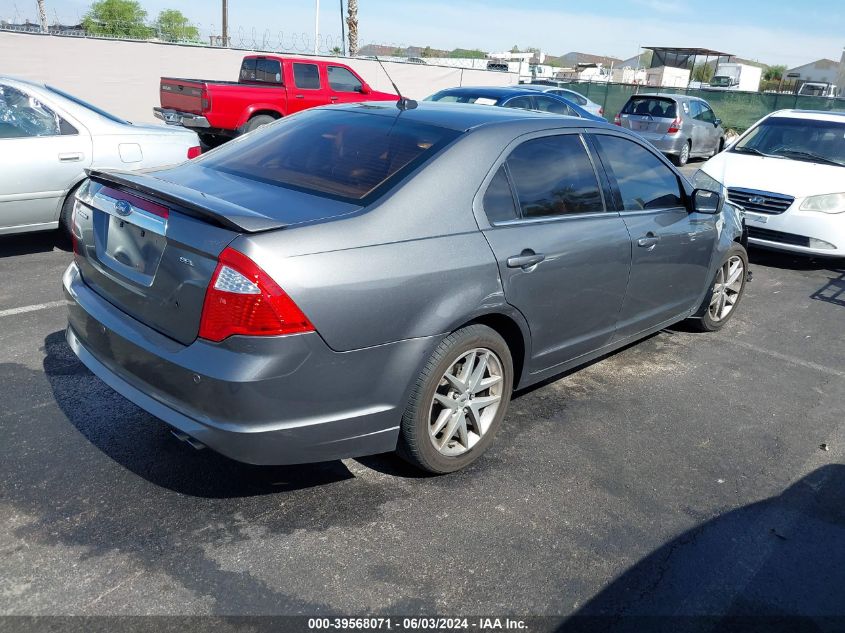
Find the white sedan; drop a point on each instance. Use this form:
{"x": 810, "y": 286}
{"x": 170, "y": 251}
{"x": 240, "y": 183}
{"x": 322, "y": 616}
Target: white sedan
{"x": 48, "y": 139}
{"x": 788, "y": 173}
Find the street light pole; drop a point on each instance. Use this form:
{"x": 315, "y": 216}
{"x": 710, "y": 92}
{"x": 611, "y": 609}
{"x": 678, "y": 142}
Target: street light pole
{"x": 316, "y": 26}
{"x": 225, "y": 23}
{"x": 343, "y": 33}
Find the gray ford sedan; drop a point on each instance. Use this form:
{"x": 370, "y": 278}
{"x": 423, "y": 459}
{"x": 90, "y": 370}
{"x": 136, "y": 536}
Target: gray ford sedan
{"x": 362, "y": 278}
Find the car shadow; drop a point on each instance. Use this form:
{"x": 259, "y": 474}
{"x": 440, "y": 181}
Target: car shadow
{"x": 144, "y": 445}
{"x": 775, "y": 565}
{"x": 834, "y": 290}
{"x": 28, "y": 243}
{"x": 791, "y": 261}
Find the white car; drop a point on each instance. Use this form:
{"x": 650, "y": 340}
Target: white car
{"x": 575, "y": 97}
{"x": 788, "y": 173}
{"x": 48, "y": 139}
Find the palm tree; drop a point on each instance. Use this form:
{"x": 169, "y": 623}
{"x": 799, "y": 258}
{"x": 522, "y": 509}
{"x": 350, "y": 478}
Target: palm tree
{"x": 42, "y": 15}
{"x": 352, "y": 25}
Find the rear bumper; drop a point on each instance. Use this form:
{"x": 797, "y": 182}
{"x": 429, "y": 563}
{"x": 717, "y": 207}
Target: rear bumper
{"x": 667, "y": 143}
{"x": 277, "y": 400}
{"x": 185, "y": 119}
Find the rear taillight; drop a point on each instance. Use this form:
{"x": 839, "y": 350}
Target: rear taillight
{"x": 617, "y": 120}
{"x": 674, "y": 127}
{"x": 243, "y": 299}
{"x": 193, "y": 152}
{"x": 601, "y": 111}
{"x": 206, "y": 101}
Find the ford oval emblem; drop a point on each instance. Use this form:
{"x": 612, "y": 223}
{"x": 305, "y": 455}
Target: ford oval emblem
{"x": 122, "y": 208}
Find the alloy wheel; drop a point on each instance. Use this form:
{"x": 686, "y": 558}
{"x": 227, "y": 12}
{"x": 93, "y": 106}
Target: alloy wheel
{"x": 727, "y": 288}
{"x": 465, "y": 402}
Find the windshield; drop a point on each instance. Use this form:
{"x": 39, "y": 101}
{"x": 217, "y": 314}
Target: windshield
{"x": 88, "y": 106}
{"x": 338, "y": 154}
{"x": 800, "y": 139}
{"x": 721, "y": 82}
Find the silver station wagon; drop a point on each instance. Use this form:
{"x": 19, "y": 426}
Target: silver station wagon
{"x": 368, "y": 278}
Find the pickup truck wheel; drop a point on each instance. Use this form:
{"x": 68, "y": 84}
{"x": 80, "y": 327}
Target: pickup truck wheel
{"x": 256, "y": 122}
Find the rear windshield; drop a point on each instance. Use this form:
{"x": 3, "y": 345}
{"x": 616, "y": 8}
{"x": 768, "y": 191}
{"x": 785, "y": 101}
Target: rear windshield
{"x": 339, "y": 154}
{"x": 657, "y": 107}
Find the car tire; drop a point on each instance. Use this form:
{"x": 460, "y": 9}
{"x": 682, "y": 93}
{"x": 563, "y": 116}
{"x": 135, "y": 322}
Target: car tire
{"x": 256, "y": 122}
{"x": 710, "y": 317}
{"x": 66, "y": 215}
{"x": 683, "y": 157}
{"x": 473, "y": 430}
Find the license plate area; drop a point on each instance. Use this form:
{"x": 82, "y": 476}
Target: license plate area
{"x": 129, "y": 240}
{"x": 756, "y": 218}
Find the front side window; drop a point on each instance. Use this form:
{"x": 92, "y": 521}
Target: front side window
{"x": 23, "y": 116}
{"x": 306, "y": 76}
{"x": 706, "y": 114}
{"x": 644, "y": 181}
{"x": 547, "y": 104}
{"x": 520, "y": 103}
{"x": 498, "y": 199}
{"x": 553, "y": 176}
{"x": 343, "y": 80}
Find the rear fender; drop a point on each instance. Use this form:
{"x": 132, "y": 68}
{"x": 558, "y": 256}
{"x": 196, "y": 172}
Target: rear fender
{"x": 256, "y": 108}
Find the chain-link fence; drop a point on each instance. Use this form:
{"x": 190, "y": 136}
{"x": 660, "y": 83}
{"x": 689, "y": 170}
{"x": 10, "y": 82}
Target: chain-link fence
{"x": 738, "y": 110}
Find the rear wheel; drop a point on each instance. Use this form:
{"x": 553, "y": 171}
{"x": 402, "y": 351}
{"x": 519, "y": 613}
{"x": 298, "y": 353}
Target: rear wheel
{"x": 725, "y": 292}
{"x": 256, "y": 122}
{"x": 458, "y": 402}
{"x": 683, "y": 157}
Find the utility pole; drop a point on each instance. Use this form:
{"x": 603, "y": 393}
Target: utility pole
{"x": 343, "y": 31}
{"x": 42, "y": 16}
{"x": 316, "y": 27}
{"x": 225, "y": 23}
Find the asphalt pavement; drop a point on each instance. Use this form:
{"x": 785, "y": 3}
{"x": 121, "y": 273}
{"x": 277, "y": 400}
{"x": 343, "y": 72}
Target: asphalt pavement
{"x": 687, "y": 474}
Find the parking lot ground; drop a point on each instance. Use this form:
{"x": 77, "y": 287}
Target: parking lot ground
{"x": 683, "y": 475}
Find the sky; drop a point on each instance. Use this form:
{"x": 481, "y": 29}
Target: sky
{"x": 770, "y": 31}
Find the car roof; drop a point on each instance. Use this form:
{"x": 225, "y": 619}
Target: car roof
{"x": 665, "y": 95}
{"x": 19, "y": 80}
{"x": 463, "y": 117}
{"x": 818, "y": 115}
{"x": 489, "y": 91}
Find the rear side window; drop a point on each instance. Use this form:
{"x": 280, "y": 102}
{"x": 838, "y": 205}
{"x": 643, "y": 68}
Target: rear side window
{"x": 339, "y": 154}
{"x": 343, "y": 80}
{"x": 498, "y": 199}
{"x": 553, "y": 176}
{"x": 656, "y": 107}
{"x": 644, "y": 181}
{"x": 572, "y": 96}
{"x": 306, "y": 76}
{"x": 269, "y": 71}
{"x": 520, "y": 103}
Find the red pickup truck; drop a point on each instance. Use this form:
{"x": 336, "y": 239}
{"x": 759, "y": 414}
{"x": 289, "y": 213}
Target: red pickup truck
{"x": 269, "y": 87}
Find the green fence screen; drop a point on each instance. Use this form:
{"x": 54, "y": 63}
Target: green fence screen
{"x": 738, "y": 110}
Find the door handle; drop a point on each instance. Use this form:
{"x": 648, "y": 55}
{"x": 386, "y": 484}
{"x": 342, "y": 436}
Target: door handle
{"x": 649, "y": 241}
{"x": 525, "y": 260}
{"x": 71, "y": 157}
{"x": 299, "y": 96}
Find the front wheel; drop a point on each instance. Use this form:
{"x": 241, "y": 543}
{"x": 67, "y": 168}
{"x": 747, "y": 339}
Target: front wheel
{"x": 725, "y": 292}
{"x": 458, "y": 402}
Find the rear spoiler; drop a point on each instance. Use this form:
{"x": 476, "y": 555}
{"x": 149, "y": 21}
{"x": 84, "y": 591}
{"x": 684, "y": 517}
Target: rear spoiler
{"x": 188, "y": 201}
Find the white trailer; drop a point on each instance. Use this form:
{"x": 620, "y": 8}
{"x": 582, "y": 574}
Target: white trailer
{"x": 735, "y": 76}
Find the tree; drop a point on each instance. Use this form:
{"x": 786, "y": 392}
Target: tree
{"x": 774, "y": 73}
{"x": 352, "y": 26}
{"x": 703, "y": 73}
{"x": 117, "y": 18}
{"x": 172, "y": 26}
{"x": 427, "y": 52}
{"x": 336, "y": 51}
{"x": 465, "y": 53}
{"x": 42, "y": 16}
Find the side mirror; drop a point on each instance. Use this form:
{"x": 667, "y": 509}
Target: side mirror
{"x": 364, "y": 89}
{"x": 717, "y": 122}
{"x": 704, "y": 201}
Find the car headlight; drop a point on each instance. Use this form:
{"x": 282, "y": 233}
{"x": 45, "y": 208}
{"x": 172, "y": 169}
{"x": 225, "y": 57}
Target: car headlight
{"x": 828, "y": 203}
{"x": 706, "y": 181}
